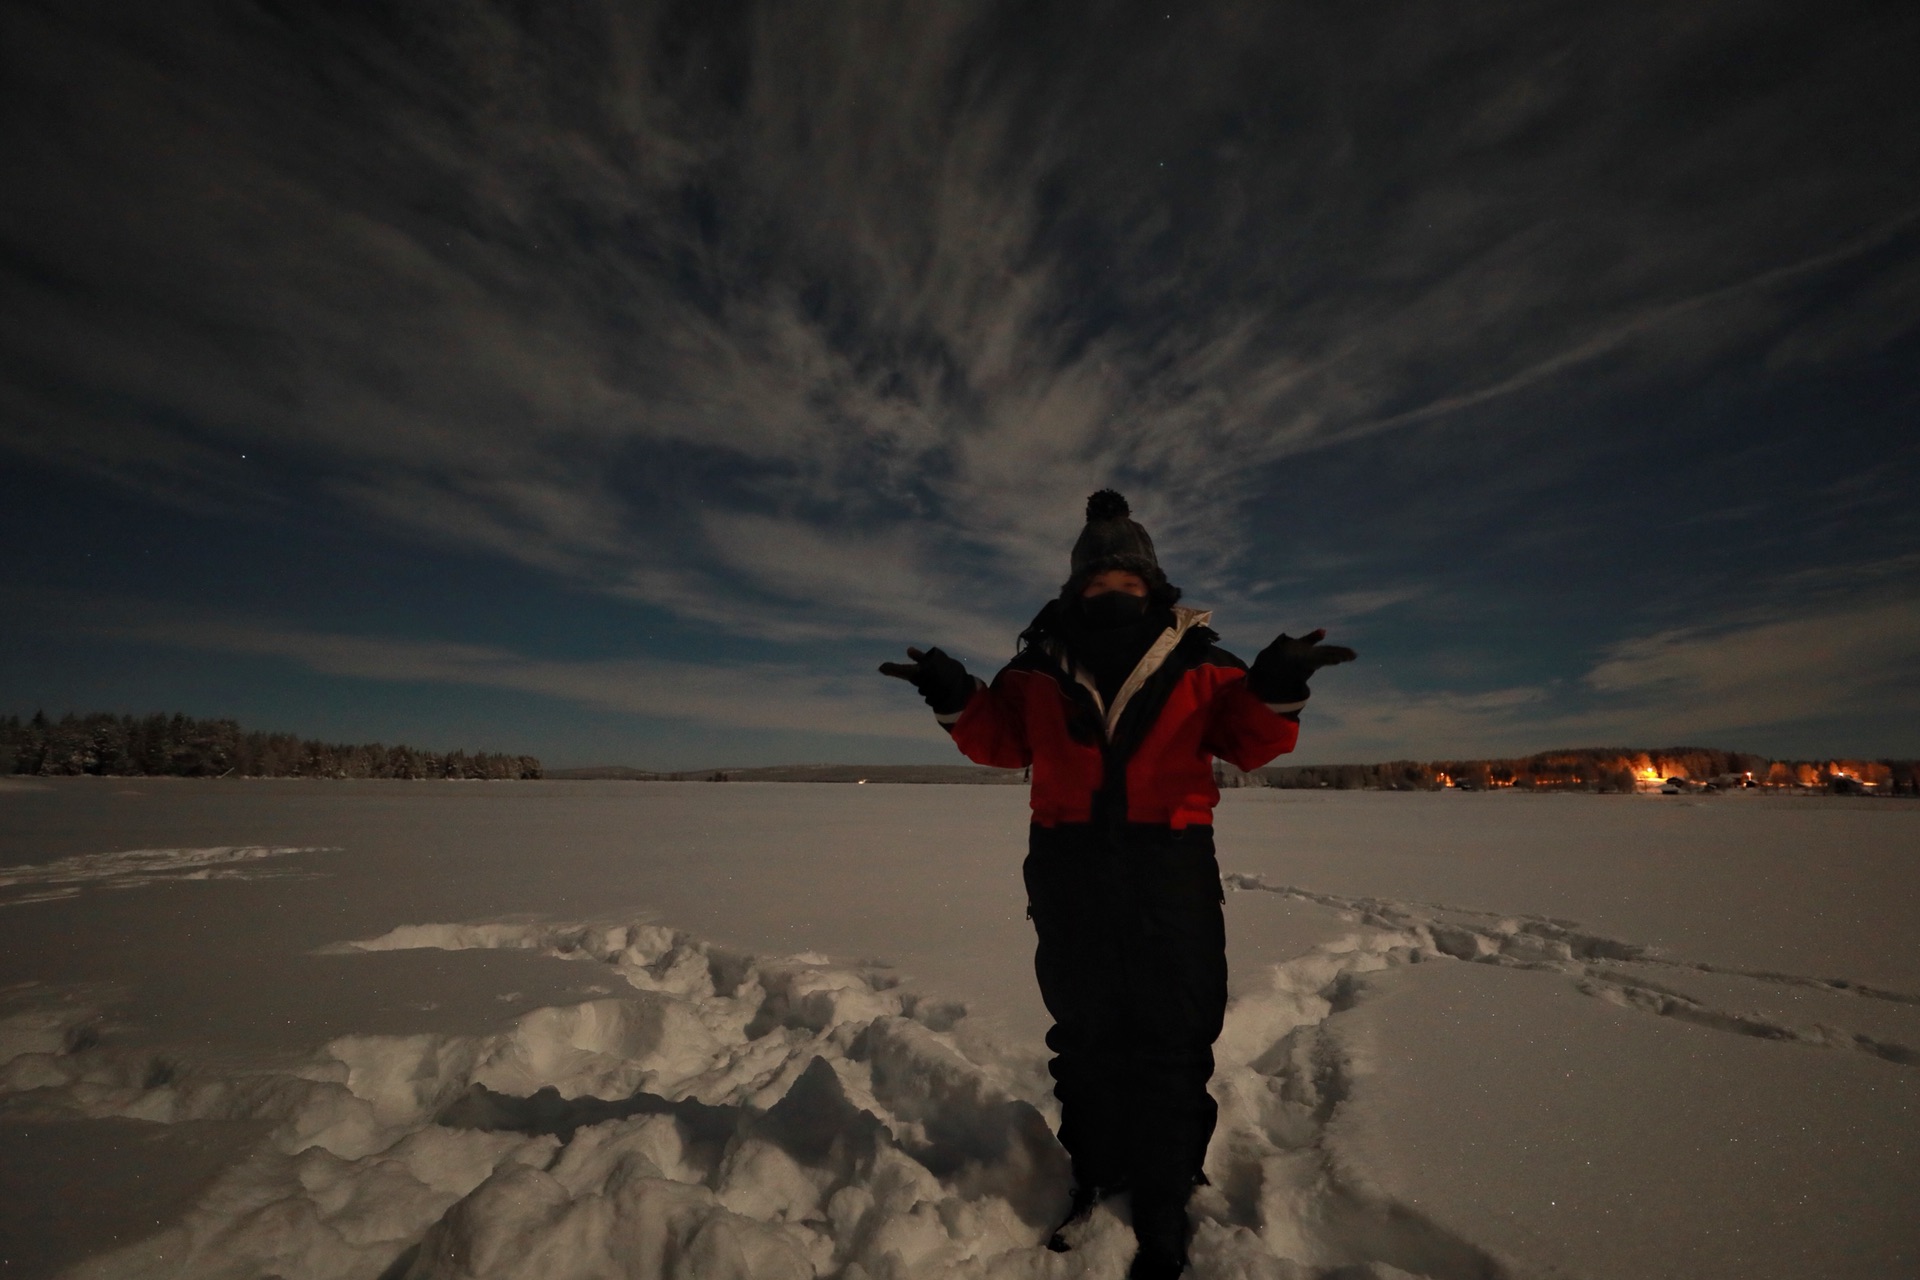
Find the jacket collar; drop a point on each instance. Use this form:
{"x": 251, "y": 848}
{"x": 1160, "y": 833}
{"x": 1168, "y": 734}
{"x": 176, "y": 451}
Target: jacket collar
{"x": 1184, "y": 622}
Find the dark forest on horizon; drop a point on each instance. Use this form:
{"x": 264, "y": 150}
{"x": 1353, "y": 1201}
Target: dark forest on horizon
{"x": 104, "y": 744}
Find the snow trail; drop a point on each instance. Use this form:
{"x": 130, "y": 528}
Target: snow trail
{"x": 134, "y": 868}
{"x": 1606, "y": 968}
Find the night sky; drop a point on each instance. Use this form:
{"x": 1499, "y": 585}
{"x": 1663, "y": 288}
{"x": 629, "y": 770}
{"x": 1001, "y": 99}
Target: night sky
{"x": 621, "y": 382}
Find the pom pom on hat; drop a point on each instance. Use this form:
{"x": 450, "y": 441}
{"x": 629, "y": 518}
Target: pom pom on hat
{"x": 1111, "y": 536}
{"x": 1112, "y": 540}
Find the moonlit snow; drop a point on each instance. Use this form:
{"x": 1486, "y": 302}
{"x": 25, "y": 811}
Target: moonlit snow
{"x": 131, "y": 868}
{"x": 317, "y": 1030}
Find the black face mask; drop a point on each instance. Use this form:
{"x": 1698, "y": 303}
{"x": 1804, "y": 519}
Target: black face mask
{"x": 1112, "y": 609}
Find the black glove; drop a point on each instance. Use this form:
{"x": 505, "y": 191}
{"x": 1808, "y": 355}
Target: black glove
{"x": 941, "y": 680}
{"x": 1282, "y": 669}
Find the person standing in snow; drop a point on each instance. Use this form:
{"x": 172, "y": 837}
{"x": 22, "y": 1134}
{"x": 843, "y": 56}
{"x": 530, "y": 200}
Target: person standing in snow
{"x": 1119, "y": 700}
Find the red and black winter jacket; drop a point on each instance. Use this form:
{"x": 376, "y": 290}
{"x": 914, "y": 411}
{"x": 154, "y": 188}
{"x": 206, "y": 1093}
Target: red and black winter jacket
{"x": 1149, "y": 757}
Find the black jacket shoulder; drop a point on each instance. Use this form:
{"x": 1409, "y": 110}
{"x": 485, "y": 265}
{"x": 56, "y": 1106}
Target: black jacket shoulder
{"x": 1218, "y": 657}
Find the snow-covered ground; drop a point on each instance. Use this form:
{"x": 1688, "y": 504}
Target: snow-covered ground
{"x": 693, "y": 1030}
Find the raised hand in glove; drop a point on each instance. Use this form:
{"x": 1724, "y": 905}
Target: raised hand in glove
{"x": 1281, "y": 670}
{"x": 941, "y": 680}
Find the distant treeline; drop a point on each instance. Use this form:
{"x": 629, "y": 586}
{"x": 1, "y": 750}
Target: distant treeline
{"x": 955, "y": 774}
{"x": 1608, "y": 769}
{"x": 180, "y": 746}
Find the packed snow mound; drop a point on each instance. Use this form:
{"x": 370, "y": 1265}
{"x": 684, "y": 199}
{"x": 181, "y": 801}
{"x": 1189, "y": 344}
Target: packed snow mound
{"x": 132, "y": 868}
{"x": 724, "y": 1116}
{"x": 728, "y": 1115}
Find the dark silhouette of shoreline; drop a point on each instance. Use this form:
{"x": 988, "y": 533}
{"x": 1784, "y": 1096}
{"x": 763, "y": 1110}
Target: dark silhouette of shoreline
{"x": 106, "y": 745}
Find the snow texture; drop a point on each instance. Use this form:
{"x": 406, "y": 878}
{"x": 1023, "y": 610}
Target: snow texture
{"x": 732, "y": 1116}
{"x": 134, "y": 868}
{"x": 1407, "y": 1088}
{"x": 723, "y": 1116}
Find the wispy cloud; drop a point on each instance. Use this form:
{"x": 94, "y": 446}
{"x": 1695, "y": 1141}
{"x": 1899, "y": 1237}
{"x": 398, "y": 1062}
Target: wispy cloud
{"x": 1358, "y": 717}
{"x": 806, "y": 319}
{"x": 813, "y": 326}
{"x": 740, "y": 696}
{"x": 1770, "y": 672}
{"x": 1710, "y": 683}
{"x": 1652, "y": 321}
{"x": 1739, "y": 680}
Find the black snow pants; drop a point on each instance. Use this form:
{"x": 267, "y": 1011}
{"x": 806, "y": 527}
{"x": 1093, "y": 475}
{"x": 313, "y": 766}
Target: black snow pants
{"x": 1132, "y": 965}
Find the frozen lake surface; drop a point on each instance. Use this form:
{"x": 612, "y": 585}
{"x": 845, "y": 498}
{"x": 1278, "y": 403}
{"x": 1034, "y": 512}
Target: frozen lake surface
{"x": 551, "y": 1029}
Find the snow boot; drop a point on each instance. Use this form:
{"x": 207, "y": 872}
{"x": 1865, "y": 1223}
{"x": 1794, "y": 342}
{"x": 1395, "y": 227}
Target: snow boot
{"x": 1079, "y": 1209}
{"x": 1161, "y": 1228}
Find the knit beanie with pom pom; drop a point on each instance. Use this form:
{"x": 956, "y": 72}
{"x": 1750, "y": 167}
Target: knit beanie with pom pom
{"x": 1112, "y": 540}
